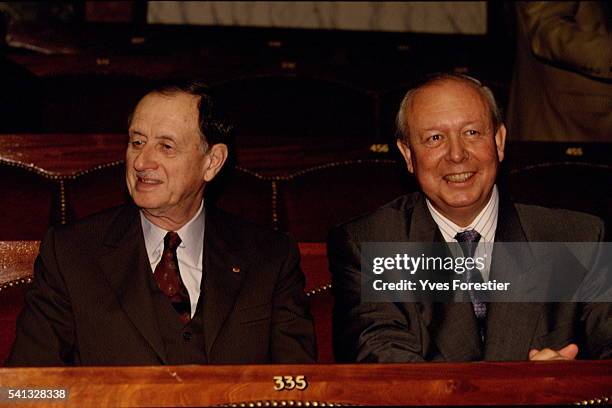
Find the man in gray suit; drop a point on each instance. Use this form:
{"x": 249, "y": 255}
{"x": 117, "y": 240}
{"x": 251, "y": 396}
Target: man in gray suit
{"x": 452, "y": 139}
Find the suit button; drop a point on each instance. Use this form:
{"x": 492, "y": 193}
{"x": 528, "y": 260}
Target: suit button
{"x": 187, "y": 336}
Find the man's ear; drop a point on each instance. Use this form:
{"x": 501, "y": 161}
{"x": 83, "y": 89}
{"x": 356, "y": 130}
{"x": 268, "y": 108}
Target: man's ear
{"x": 405, "y": 151}
{"x": 217, "y": 155}
{"x": 500, "y": 141}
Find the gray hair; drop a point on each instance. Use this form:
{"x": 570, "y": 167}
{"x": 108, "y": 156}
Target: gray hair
{"x": 400, "y": 119}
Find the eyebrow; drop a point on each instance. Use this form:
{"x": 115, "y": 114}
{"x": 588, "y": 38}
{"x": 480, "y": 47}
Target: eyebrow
{"x": 166, "y": 137}
{"x": 443, "y": 126}
{"x": 136, "y": 132}
{"x": 474, "y": 122}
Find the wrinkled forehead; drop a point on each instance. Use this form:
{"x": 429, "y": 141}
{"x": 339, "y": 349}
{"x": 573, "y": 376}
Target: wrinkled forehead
{"x": 177, "y": 108}
{"x": 450, "y": 90}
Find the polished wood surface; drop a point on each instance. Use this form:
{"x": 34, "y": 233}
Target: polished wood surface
{"x": 16, "y": 261}
{"x": 376, "y": 384}
{"x": 62, "y": 154}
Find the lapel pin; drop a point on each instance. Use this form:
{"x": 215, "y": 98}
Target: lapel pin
{"x": 236, "y": 269}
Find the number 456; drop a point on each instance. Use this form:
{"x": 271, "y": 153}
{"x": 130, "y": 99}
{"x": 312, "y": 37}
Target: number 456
{"x": 288, "y": 382}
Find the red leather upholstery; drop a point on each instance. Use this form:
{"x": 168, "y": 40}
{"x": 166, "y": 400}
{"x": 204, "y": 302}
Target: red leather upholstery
{"x": 11, "y": 303}
{"x": 95, "y": 190}
{"x": 318, "y": 288}
{"x": 313, "y": 201}
{"x": 583, "y": 187}
{"x": 28, "y": 202}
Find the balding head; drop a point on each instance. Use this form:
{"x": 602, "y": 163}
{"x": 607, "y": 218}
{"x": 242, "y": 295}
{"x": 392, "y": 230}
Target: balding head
{"x": 402, "y": 118}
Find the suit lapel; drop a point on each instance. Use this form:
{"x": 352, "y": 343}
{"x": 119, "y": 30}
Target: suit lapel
{"x": 224, "y": 272}
{"x": 452, "y": 325}
{"x": 510, "y": 326}
{"x": 422, "y": 227}
{"x": 127, "y": 269}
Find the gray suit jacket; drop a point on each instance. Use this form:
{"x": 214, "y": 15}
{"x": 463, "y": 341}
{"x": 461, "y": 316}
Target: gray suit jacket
{"x": 400, "y": 332}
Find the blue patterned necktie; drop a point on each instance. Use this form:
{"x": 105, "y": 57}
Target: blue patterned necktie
{"x": 168, "y": 278}
{"x": 468, "y": 241}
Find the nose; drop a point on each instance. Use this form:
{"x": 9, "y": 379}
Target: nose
{"x": 457, "y": 151}
{"x": 145, "y": 159}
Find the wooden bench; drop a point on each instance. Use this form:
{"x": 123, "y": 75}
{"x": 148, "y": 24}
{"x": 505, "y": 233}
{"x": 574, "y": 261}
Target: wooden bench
{"x": 55, "y": 179}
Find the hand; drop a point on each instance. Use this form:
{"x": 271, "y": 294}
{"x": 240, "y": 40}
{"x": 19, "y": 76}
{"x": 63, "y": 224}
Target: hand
{"x": 568, "y": 352}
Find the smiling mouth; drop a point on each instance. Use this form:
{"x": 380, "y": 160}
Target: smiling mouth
{"x": 148, "y": 181}
{"x": 459, "y": 177}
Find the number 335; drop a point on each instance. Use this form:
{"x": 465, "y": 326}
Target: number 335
{"x": 288, "y": 382}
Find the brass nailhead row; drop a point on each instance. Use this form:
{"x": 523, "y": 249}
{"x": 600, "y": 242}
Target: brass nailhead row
{"x": 46, "y": 174}
{"x": 551, "y": 164}
{"x": 63, "y": 210}
{"x": 274, "y": 205}
{"x": 28, "y": 280}
{"x": 15, "y": 283}
{"x": 595, "y": 401}
{"x": 30, "y": 167}
{"x": 284, "y": 403}
{"x": 319, "y": 289}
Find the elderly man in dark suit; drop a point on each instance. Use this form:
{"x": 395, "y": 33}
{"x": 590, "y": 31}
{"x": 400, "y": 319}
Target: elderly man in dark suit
{"x": 165, "y": 279}
{"x": 452, "y": 139}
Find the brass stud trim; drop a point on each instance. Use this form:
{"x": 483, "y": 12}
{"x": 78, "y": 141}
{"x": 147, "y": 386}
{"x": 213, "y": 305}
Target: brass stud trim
{"x": 31, "y": 168}
{"x": 560, "y": 163}
{"x": 53, "y": 176}
{"x": 331, "y": 165}
{"x": 274, "y": 204}
{"x": 319, "y": 289}
{"x": 63, "y": 205}
{"x": 284, "y": 403}
{"x": 115, "y": 163}
{"x": 314, "y": 168}
{"x": 595, "y": 401}
{"x": 17, "y": 282}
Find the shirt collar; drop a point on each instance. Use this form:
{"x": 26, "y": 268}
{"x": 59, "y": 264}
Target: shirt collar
{"x": 485, "y": 222}
{"x": 192, "y": 239}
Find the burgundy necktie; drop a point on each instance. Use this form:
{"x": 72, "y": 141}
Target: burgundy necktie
{"x": 169, "y": 280}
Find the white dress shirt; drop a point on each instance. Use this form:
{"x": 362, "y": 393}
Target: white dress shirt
{"x": 485, "y": 224}
{"x": 189, "y": 253}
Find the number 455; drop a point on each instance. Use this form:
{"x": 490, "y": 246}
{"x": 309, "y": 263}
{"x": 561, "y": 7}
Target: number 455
{"x": 288, "y": 382}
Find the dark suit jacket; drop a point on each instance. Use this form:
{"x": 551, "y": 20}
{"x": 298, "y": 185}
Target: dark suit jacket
{"x": 91, "y": 303}
{"x": 400, "y": 332}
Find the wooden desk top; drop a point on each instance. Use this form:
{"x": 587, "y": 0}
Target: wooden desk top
{"x": 378, "y": 384}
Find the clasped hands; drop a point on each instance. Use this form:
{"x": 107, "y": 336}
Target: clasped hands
{"x": 568, "y": 352}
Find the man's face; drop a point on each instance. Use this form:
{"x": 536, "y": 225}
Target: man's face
{"x": 454, "y": 151}
{"x": 166, "y": 166}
